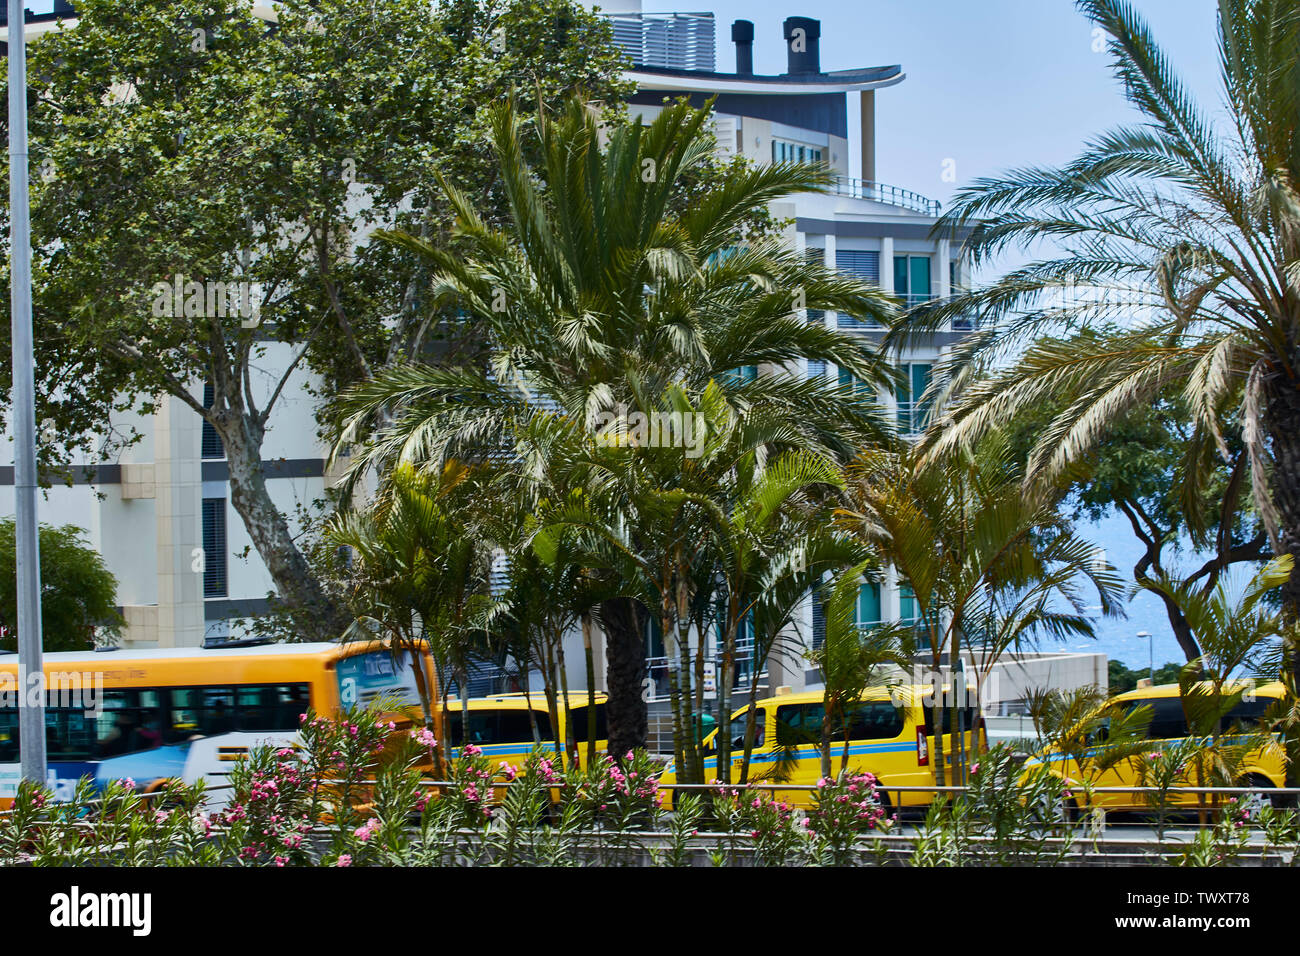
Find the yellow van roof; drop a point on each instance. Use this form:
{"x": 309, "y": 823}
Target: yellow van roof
{"x": 1271, "y": 689}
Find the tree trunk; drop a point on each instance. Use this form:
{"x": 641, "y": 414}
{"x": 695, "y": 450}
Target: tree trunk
{"x": 314, "y": 614}
{"x": 1282, "y": 421}
{"x": 591, "y": 690}
{"x": 625, "y": 671}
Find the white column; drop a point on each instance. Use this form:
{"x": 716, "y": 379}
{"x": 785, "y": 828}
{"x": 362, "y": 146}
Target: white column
{"x": 887, "y": 264}
{"x": 944, "y": 258}
{"x": 178, "y": 507}
{"x": 829, "y": 317}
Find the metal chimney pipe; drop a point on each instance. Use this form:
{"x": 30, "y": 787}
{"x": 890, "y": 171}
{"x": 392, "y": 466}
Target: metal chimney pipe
{"x": 742, "y": 34}
{"x": 801, "y": 36}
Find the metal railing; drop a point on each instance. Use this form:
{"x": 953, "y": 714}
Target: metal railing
{"x": 887, "y": 194}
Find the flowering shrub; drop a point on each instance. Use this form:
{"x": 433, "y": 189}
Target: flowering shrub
{"x": 118, "y": 826}
{"x": 843, "y": 809}
{"x": 272, "y": 808}
{"x": 778, "y": 834}
{"x": 354, "y": 792}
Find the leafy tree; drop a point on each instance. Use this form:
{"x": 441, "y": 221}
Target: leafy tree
{"x": 851, "y": 659}
{"x": 78, "y": 594}
{"x": 990, "y": 567}
{"x": 193, "y": 139}
{"x": 1139, "y": 472}
{"x": 1121, "y": 679}
{"x": 417, "y": 579}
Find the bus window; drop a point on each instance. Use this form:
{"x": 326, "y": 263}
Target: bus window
{"x": 117, "y": 722}
{"x": 291, "y": 702}
{"x": 148, "y": 731}
{"x": 68, "y": 734}
{"x": 8, "y": 734}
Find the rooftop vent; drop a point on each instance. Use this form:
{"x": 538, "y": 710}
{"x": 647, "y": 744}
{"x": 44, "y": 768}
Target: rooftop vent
{"x": 742, "y": 34}
{"x": 801, "y": 36}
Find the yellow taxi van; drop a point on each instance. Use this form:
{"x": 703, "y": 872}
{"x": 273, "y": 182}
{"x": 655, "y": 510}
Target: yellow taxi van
{"x": 1263, "y": 767}
{"x": 889, "y": 736}
{"x": 503, "y": 726}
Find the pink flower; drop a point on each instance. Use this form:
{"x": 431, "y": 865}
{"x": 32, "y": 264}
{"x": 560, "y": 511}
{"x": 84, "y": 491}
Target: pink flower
{"x": 471, "y": 750}
{"x": 366, "y": 830}
{"x": 345, "y": 859}
{"x": 425, "y": 738}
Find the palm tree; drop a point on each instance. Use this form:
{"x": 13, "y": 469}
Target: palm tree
{"x": 605, "y": 288}
{"x": 851, "y": 659}
{"x": 417, "y": 579}
{"x": 989, "y": 566}
{"x": 1177, "y": 262}
{"x": 688, "y": 528}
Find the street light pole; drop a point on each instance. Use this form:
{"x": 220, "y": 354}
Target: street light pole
{"x": 31, "y": 675}
{"x": 1151, "y": 655}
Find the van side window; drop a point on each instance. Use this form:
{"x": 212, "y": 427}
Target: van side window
{"x": 499, "y": 727}
{"x": 875, "y": 720}
{"x": 578, "y": 717}
{"x": 1247, "y": 714}
{"x": 870, "y": 720}
{"x": 1167, "y": 717}
{"x": 799, "y": 724}
{"x": 738, "y": 730}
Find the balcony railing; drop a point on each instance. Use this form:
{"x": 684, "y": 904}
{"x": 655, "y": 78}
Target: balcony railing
{"x": 884, "y": 193}
{"x": 657, "y": 669}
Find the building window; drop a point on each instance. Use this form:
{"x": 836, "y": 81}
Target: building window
{"x": 818, "y": 618}
{"x": 861, "y": 265}
{"x": 212, "y": 446}
{"x": 912, "y": 279}
{"x": 784, "y": 151}
{"x": 907, "y": 607}
{"x": 848, "y": 380}
{"x": 866, "y": 614}
{"x": 741, "y": 376}
{"x": 960, "y": 323}
{"x": 913, "y": 413}
{"x": 214, "y": 547}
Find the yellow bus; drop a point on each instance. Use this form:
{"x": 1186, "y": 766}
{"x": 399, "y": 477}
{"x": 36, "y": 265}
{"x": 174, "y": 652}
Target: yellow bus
{"x": 503, "y": 727}
{"x": 1263, "y": 767}
{"x": 188, "y": 713}
{"x": 889, "y": 736}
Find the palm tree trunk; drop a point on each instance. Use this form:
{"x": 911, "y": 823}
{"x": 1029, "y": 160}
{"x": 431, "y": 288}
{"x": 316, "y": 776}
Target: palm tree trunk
{"x": 625, "y": 674}
{"x": 591, "y": 689}
{"x": 1282, "y": 421}
{"x": 570, "y": 751}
